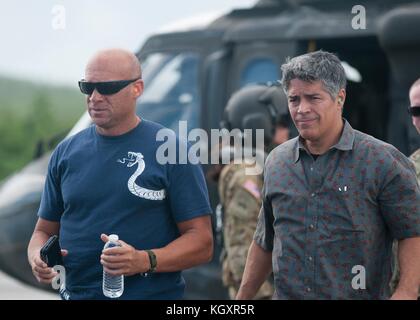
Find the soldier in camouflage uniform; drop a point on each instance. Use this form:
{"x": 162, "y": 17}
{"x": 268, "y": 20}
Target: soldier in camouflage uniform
{"x": 415, "y": 116}
{"x": 239, "y": 192}
{"x": 415, "y": 157}
{"x": 414, "y": 110}
{"x": 241, "y": 199}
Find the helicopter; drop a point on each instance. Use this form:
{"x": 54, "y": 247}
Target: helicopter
{"x": 191, "y": 70}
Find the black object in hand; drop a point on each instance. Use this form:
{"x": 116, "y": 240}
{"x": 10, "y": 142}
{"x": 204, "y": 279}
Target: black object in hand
{"x": 51, "y": 252}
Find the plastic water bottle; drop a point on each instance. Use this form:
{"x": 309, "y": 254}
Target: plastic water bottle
{"x": 112, "y": 286}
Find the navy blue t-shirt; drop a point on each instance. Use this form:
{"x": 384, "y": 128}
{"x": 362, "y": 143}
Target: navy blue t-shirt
{"x": 115, "y": 185}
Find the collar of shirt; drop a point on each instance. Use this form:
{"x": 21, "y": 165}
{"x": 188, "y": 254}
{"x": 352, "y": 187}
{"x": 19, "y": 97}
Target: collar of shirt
{"x": 345, "y": 143}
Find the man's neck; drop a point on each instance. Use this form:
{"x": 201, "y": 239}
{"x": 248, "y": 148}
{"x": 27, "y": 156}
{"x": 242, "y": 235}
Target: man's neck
{"x": 322, "y": 145}
{"x": 129, "y": 125}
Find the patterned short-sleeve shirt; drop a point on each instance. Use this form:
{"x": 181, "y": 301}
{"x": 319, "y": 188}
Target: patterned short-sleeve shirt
{"x": 330, "y": 222}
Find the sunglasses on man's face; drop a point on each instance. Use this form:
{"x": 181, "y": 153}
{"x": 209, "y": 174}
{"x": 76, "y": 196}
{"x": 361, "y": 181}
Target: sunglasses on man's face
{"x": 414, "y": 111}
{"x": 104, "y": 88}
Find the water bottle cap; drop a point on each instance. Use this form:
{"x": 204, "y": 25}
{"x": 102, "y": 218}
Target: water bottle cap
{"x": 113, "y": 237}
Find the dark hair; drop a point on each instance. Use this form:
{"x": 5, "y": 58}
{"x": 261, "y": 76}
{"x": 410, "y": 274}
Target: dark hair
{"x": 314, "y": 66}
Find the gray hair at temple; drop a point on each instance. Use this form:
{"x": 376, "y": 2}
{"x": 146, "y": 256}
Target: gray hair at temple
{"x": 314, "y": 66}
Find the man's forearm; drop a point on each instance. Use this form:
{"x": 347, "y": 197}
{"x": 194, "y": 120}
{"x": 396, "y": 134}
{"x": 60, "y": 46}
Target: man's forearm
{"x": 37, "y": 241}
{"x": 43, "y": 230}
{"x": 190, "y": 249}
{"x": 409, "y": 261}
{"x": 258, "y": 267}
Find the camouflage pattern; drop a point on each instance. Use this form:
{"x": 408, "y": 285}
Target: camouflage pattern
{"x": 415, "y": 157}
{"x": 241, "y": 199}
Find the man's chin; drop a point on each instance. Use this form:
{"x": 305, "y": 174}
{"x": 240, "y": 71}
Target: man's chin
{"x": 101, "y": 122}
{"x": 309, "y": 135}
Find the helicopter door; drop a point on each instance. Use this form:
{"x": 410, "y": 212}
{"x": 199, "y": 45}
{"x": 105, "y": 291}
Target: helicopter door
{"x": 367, "y": 106}
{"x": 257, "y": 62}
{"x": 172, "y": 92}
{"x": 401, "y": 43}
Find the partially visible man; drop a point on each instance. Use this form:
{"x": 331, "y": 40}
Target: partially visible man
{"x": 414, "y": 111}
{"x": 252, "y": 107}
{"x": 415, "y": 116}
{"x": 333, "y": 200}
{"x": 282, "y": 129}
{"x": 107, "y": 179}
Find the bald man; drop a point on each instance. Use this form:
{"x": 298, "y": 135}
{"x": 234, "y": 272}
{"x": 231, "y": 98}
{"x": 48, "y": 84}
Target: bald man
{"x": 106, "y": 180}
{"x": 414, "y": 110}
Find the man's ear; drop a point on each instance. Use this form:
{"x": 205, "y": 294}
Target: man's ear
{"x": 341, "y": 97}
{"x": 138, "y": 88}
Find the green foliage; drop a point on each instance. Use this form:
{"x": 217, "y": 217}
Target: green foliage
{"x": 33, "y": 115}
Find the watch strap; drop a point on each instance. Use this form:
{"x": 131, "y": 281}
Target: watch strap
{"x": 152, "y": 261}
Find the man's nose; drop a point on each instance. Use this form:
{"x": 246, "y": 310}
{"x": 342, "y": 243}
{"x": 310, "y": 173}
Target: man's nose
{"x": 304, "y": 106}
{"x": 95, "y": 96}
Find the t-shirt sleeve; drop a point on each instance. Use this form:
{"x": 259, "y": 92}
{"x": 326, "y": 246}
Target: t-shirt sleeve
{"x": 187, "y": 192}
{"x": 264, "y": 234}
{"x": 399, "y": 198}
{"x": 51, "y": 207}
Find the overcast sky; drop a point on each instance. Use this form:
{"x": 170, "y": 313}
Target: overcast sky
{"x": 35, "y": 47}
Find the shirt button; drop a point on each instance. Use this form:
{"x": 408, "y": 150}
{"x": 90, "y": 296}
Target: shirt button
{"x": 308, "y": 289}
{"x": 310, "y": 258}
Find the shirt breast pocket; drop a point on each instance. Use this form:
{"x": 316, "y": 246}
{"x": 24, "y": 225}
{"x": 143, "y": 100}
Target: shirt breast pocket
{"x": 340, "y": 211}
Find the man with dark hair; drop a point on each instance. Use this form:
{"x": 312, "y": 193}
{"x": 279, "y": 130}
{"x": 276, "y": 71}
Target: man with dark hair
{"x": 282, "y": 129}
{"x": 333, "y": 200}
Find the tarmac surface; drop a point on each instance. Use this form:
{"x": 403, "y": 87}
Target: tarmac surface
{"x": 11, "y": 289}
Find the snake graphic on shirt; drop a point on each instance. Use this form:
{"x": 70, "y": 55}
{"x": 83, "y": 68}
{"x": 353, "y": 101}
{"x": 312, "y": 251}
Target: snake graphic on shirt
{"x": 137, "y": 158}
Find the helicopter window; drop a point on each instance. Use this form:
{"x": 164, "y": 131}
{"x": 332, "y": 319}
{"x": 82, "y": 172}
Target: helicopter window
{"x": 152, "y": 64}
{"x": 171, "y": 92}
{"x": 260, "y": 70}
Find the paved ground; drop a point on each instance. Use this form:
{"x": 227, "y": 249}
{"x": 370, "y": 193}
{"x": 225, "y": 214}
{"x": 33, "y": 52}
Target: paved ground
{"x": 11, "y": 289}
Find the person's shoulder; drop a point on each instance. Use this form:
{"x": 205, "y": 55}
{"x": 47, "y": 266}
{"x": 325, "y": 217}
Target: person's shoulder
{"x": 415, "y": 157}
{"x": 74, "y": 140}
{"x": 157, "y": 133}
{"x": 364, "y": 141}
{"x": 154, "y": 126}
{"x": 283, "y": 152}
{"x": 236, "y": 175}
{"x": 373, "y": 149}
{"x": 232, "y": 172}
{"x": 65, "y": 146}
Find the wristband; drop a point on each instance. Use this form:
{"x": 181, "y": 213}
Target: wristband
{"x": 153, "y": 263}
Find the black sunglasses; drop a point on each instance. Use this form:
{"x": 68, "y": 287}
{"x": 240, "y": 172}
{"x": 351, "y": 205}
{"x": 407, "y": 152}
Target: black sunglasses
{"x": 414, "y": 111}
{"x": 105, "y": 88}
